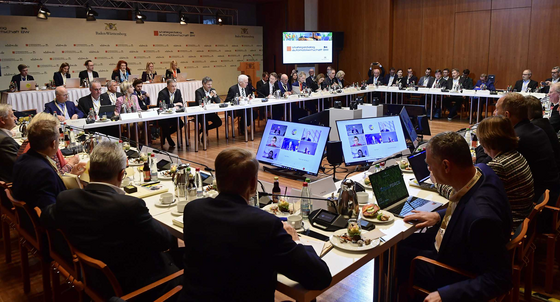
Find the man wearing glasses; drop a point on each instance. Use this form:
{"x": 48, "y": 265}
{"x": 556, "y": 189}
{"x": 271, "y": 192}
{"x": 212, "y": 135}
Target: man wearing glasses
{"x": 526, "y": 84}
{"x": 93, "y": 100}
{"x": 553, "y": 80}
{"x": 63, "y": 109}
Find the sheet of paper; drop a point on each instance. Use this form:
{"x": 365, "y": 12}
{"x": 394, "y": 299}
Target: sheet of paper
{"x": 316, "y": 244}
{"x": 374, "y": 234}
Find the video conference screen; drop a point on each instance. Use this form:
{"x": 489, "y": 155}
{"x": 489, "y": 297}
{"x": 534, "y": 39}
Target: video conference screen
{"x": 307, "y": 47}
{"x": 293, "y": 146}
{"x": 370, "y": 139}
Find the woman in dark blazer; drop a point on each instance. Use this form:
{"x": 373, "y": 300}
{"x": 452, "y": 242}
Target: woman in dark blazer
{"x": 121, "y": 72}
{"x": 63, "y": 73}
{"x": 149, "y": 74}
{"x": 173, "y": 71}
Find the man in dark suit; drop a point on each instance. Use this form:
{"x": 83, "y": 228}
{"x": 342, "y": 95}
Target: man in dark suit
{"x": 311, "y": 79}
{"x": 263, "y": 81}
{"x": 552, "y": 80}
{"x": 390, "y": 78}
{"x": 88, "y": 75}
{"x": 103, "y": 222}
{"x": 36, "y": 179}
{"x": 526, "y": 84}
{"x": 470, "y": 235}
{"x": 206, "y": 91}
{"x": 535, "y": 116}
{"x": 534, "y": 144}
{"x": 22, "y": 76}
{"x": 458, "y": 82}
{"x": 376, "y": 75}
{"x": 8, "y": 146}
{"x": 240, "y": 90}
{"x": 268, "y": 91}
{"x": 64, "y": 110}
{"x": 249, "y": 239}
{"x": 427, "y": 80}
{"x": 93, "y": 100}
{"x": 554, "y": 95}
{"x": 143, "y": 96}
{"x": 172, "y": 97}
{"x": 112, "y": 94}
{"x": 329, "y": 80}
{"x": 411, "y": 79}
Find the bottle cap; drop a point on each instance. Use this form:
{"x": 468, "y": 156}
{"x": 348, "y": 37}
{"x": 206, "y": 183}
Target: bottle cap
{"x": 305, "y": 184}
{"x": 275, "y": 177}
{"x": 197, "y": 169}
{"x": 153, "y": 155}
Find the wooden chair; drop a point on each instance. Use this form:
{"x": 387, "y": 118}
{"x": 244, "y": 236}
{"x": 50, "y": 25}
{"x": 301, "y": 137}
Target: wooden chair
{"x": 32, "y": 239}
{"x": 551, "y": 235}
{"x": 64, "y": 263}
{"x": 93, "y": 269}
{"x": 8, "y": 220}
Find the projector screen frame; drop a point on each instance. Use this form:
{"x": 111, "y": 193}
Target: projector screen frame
{"x": 309, "y": 63}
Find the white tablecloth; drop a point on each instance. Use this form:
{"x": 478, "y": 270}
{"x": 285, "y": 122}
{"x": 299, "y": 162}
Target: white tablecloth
{"x": 26, "y": 100}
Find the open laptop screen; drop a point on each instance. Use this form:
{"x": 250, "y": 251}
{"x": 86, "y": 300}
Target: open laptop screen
{"x": 419, "y": 167}
{"x": 388, "y": 186}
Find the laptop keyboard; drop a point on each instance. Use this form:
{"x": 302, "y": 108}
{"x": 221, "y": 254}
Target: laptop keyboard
{"x": 408, "y": 206}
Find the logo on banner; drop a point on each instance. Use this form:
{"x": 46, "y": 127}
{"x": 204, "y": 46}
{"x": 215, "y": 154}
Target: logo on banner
{"x": 110, "y": 26}
{"x": 289, "y": 48}
{"x": 244, "y": 31}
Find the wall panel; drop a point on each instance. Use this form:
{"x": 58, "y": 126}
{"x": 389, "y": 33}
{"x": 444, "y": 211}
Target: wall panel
{"x": 472, "y": 5}
{"x": 470, "y": 47}
{"x": 543, "y": 39}
{"x": 407, "y": 34}
{"x": 437, "y": 34}
{"x": 509, "y": 44}
{"x": 501, "y": 4}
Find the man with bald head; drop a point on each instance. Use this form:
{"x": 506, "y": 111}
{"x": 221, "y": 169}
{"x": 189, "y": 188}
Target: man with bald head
{"x": 311, "y": 78}
{"x": 526, "y": 84}
{"x": 93, "y": 100}
{"x": 64, "y": 110}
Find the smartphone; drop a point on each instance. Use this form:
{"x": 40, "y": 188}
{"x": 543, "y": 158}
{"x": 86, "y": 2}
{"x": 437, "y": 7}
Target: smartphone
{"x": 315, "y": 235}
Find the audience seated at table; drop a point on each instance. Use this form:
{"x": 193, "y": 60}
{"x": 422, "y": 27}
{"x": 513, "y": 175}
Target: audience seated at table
{"x": 427, "y": 80}
{"x": 103, "y": 222}
{"x": 64, "y": 110}
{"x": 311, "y": 80}
{"x": 93, "y": 100}
{"x": 293, "y": 79}
{"x": 377, "y": 74}
{"x": 329, "y": 80}
{"x": 535, "y": 115}
{"x": 470, "y": 235}
{"x": 250, "y": 86}
{"x": 149, "y": 74}
{"x": 267, "y": 90}
{"x": 36, "y": 179}
{"x": 552, "y": 80}
{"x": 206, "y": 91}
{"x": 121, "y": 73}
{"x": 240, "y": 90}
{"x": 61, "y": 75}
{"x": 400, "y": 81}
{"x": 316, "y": 86}
{"x": 143, "y": 96}
{"x": 498, "y": 139}
{"x": 71, "y": 165}
{"x": 526, "y": 84}
{"x": 339, "y": 79}
{"x": 263, "y": 80}
{"x": 22, "y": 76}
{"x": 484, "y": 84}
{"x": 8, "y": 146}
{"x": 301, "y": 83}
{"x": 171, "y": 97}
{"x": 554, "y": 95}
{"x": 89, "y": 74}
{"x": 456, "y": 82}
{"x": 411, "y": 79}
{"x": 112, "y": 94}
{"x": 128, "y": 102}
{"x": 534, "y": 144}
{"x": 240, "y": 249}
{"x": 173, "y": 71}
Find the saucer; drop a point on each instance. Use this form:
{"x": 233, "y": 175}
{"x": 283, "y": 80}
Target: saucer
{"x": 175, "y": 213}
{"x": 165, "y": 205}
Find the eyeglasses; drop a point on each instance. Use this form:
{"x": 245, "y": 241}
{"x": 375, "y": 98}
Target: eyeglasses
{"x": 526, "y": 74}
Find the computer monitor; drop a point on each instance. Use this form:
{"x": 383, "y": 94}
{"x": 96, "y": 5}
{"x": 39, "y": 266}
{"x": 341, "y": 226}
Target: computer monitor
{"x": 370, "y": 139}
{"x": 320, "y": 118}
{"x": 412, "y": 110}
{"x": 419, "y": 167}
{"x": 409, "y": 128}
{"x": 293, "y": 146}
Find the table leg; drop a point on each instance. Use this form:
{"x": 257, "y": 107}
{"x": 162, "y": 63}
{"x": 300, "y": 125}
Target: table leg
{"x": 128, "y": 130}
{"x": 252, "y": 126}
{"x": 186, "y": 132}
{"x": 470, "y": 112}
{"x": 285, "y": 112}
{"x": 204, "y": 132}
{"x": 232, "y": 124}
{"x": 146, "y": 133}
{"x": 432, "y": 107}
{"x": 179, "y": 133}
{"x": 137, "y": 136}
{"x": 246, "y": 135}
{"x": 478, "y": 110}
{"x": 486, "y": 107}
{"x": 196, "y": 133}
{"x": 227, "y": 126}
{"x": 266, "y": 113}
{"x": 291, "y": 113}
{"x": 120, "y": 132}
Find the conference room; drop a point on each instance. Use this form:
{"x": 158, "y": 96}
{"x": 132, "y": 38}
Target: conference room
{"x": 264, "y": 150}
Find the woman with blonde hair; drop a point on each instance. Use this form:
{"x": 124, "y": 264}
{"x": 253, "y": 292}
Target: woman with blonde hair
{"x": 149, "y": 74}
{"x": 128, "y": 102}
{"x": 173, "y": 71}
{"x": 62, "y": 74}
{"x": 339, "y": 78}
{"x": 62, "y": 165}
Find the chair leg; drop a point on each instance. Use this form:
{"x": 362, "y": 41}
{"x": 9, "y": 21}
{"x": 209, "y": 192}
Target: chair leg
{"x": 24, "y": 254}
{"x": 529, "y": 276}
{"x": 550, "y": 247}
{"x": 161, "y": 138}
{"x": 55, "y": 279}
{"x": 7, "y": 241}
{"x": 45, "y": 268}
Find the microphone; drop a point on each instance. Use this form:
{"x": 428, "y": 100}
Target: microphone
{"x": 163, "y": 152}
{"x": 293, "y": 196}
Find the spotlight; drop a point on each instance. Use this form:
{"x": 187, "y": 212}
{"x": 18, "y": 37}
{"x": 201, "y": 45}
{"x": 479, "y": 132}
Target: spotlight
{"x": 44, "y": 12}
{"x": 183, "y": 19}
{"x": 219, "y": 20}
{"x": 90, "y": 13}
{"x": 139, "y": 17}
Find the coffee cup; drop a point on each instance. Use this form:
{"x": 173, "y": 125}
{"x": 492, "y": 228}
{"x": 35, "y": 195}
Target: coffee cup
{"x": 166, "y": 198}
{"x": 181, "y": 205}
{"x": 295, "y": 221}
{"x": 363, "y": 197}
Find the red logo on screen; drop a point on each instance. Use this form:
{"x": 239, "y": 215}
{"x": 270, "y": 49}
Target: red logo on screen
{"x": 156, "y": 33}
{"x": 289, "y": 48}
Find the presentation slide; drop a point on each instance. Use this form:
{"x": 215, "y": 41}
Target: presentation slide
{"x": 293, "y": 146}
{"x": 370, "y": 139}
{"x": 307, "y": 47}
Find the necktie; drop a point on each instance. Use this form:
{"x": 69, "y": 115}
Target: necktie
{"x": 243, "y": 92}
{"x": 65, "y": 111}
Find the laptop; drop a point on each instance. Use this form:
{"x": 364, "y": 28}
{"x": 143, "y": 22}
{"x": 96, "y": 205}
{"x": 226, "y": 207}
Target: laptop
{"x": 392, "y": 195}
{"x": 103, "y": 81}
{"x": 182, "y": 77}
{"x": 108, "y": 110}
{"x": 133, "y": 77}
{"x": 421, "y": 173}
{"x": 27, "y": 85}
{"x": 158, "y": 79}
{"x": 73, "y": 83}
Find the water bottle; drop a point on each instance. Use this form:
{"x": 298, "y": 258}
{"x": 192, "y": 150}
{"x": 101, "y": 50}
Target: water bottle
{"x": 546, "y": 106}
{"x": 468, "y": 137}
{"x": 153, "y": 168}
{"x": 236, "y": 99}
{"x": 306, "y": 205}
{"x": 199, "y": 184}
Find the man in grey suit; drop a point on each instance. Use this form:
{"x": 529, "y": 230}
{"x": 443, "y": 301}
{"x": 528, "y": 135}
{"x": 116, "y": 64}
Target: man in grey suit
{"x": 8, "y": 146}
{"x": 427, "y": 80}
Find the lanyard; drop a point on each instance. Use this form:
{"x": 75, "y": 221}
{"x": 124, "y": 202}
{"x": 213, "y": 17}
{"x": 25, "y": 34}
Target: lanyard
{"x": 64, "y": 112}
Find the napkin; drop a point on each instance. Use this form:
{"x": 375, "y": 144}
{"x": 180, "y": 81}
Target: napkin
{"x": 373, "y": 234}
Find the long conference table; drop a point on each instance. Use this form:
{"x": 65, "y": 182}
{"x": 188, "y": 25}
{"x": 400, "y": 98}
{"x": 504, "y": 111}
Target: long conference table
{"x": 341, "y": 263}
{"x": 36, "y": 99}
